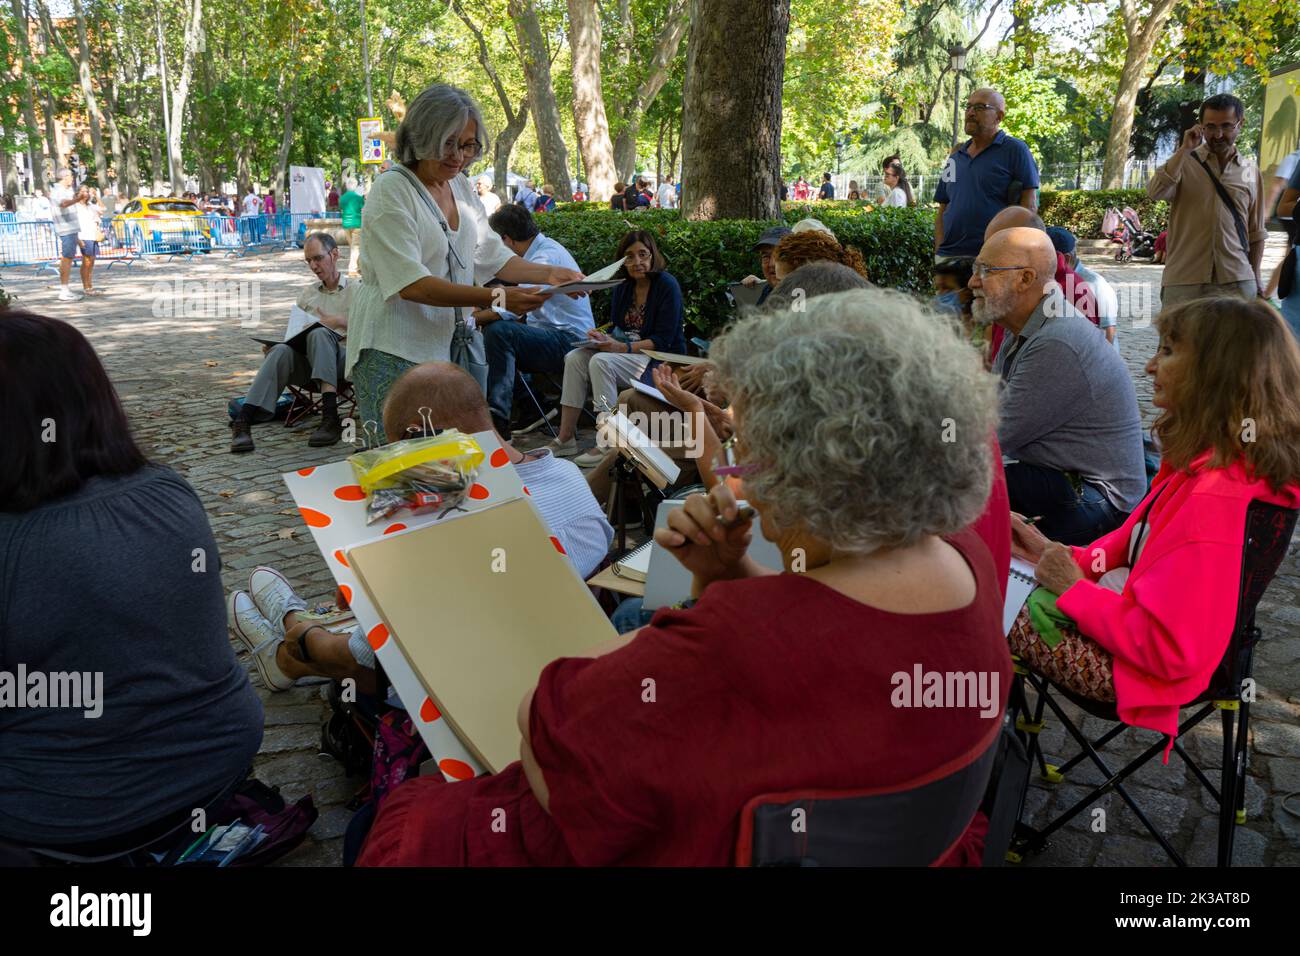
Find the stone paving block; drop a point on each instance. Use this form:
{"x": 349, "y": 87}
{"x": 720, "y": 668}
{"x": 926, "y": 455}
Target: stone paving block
{"x": 1121, "y": 850}
{"x": 1165, "y": 810}
{"x": 332, "y": 823}
{"x": 311, "y": 853}
{"x": 1287, "y": 822}
{"x": 1275, "y": 738}
{"x": 1067, "y": 848}
{"x": 1249, "y": 847}
{"x": 296, "y": 737}
{"x": 291, "y": 714}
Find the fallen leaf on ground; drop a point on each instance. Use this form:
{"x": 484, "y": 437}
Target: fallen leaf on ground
{"x": 225, "y": 494}
{"x": 210, "y": 363}
{"x": 283, "y": 534}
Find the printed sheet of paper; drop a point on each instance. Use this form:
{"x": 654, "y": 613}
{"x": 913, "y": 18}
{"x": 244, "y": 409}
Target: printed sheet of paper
{"x": 479, "y": 607}
{"x": 333, "y": 506}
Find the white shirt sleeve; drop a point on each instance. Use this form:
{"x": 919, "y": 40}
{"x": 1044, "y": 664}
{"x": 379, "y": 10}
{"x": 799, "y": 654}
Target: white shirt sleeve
{"x": 391, "y": 237}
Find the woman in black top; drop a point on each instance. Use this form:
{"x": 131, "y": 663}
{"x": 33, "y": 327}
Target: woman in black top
{"x": 110, "y": 576}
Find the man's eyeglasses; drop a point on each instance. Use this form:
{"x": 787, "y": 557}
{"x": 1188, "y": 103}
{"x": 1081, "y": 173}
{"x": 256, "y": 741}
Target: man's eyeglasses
{"x": 979, "y": 107}
{"x": 472, "y": 148}
{"x": 1213, "y": 129}
{"x": 980, "y": 270}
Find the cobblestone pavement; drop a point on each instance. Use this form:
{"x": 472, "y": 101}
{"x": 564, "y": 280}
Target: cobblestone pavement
{"x": 176, "y": 373}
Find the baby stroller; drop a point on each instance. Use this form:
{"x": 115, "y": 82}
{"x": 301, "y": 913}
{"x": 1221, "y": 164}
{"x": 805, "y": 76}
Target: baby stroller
{"x": 1125, "y": 229}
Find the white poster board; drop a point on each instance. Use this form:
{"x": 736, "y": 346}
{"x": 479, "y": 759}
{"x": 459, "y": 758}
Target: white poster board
{"x": 306, "y": 190}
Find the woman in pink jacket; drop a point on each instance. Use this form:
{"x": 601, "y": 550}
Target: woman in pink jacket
{"x": 1153, "y": 603}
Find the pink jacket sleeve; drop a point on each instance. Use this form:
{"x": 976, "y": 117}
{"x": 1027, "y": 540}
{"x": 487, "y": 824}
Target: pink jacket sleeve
{"x": 1175, "y": 618}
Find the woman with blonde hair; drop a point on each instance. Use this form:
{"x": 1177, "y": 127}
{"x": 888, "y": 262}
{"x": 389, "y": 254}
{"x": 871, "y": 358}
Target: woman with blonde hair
{"x": 1151, "y": 605}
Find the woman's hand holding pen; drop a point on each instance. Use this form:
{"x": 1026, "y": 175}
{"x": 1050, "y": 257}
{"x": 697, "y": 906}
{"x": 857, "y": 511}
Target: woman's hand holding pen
{"x": 709, "y": 535}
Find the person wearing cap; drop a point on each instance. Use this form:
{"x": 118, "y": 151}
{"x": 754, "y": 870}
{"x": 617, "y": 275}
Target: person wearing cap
{"x": 765, "y": 247}
{"x": 1107, "y": 302}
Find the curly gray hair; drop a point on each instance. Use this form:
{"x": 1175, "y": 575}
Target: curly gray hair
{"x": 436, "y": 116}
{"x": 869, "y": 414}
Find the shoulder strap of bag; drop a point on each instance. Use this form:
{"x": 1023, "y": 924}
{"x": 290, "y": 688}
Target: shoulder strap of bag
{"x": 1227, "y": 201}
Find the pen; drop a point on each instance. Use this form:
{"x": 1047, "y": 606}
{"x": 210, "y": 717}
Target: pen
{"x": 203, "y": 836}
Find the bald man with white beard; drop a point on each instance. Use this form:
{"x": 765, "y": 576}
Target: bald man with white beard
{"x": 1069, "y": 426}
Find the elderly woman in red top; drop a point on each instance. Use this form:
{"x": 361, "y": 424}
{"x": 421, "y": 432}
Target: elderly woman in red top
{"x": 1154, "y": 601}
{"x": 863, "y": 425}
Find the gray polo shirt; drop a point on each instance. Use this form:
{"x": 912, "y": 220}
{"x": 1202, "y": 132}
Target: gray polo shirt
{"x": 1068, "y": 403}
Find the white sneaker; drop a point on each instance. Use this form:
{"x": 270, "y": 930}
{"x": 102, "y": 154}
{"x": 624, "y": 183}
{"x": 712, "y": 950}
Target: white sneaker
{"x": 591, "y": 458}
{"x": 259, "y": 638}
{"x": 563, "y": 449}
{"x": 67, "y": 295}
{"x": 550, "y": 416}
{"x": 273, "y": 596}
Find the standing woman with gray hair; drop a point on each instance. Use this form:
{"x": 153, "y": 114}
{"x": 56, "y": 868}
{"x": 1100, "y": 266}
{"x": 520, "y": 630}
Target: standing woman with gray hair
{"x": 426, "y": 251}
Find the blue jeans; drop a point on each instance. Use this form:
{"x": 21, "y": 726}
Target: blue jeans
{"x": 510, "y": 345}
{"x": 1291, "y": 304}
{"x": 1068, "y": 516}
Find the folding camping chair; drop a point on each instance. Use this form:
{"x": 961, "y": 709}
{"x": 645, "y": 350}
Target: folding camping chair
{"x": 308, "y": 401}
{"x": 1268, "y": 535}
{"x": 912, "y": 825}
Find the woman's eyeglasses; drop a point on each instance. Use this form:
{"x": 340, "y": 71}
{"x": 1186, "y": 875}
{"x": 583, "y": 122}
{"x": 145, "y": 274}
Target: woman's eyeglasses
{"x": 472, "y": 148}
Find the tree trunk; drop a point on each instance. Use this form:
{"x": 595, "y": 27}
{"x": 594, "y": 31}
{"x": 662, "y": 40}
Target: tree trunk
{"x": 29, "y": 100}
{"x": 286, "y": 142}
{"x": 193, "y": 28}
{"x": 51, "y": 136}
{"x": 1142, "y": 33}
{"x": 541, "y": 94}
{"x": 731, "y": 146}
{"x": 131, "y": 188}
{"x": 589, "y": 121}
{"x": 516, "y": 119}
{"x": 156, "y": 163}
{"x": 666, "y": 46}
{"x": 93, "y": 111}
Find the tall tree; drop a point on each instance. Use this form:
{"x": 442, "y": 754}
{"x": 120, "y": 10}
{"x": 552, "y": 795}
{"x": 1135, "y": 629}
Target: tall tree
{"x": 666, "y": 44}
{"x": 536, "y": 60}
{"x": 589, "y": 121}
{"x": 1143, "y": 25}
{"x": 179, "y": 94}
{"x": 731, "y": 144}
{"x": 29, "y": 101}
{"x": 82, "y": 60}
{"x": 516, "y": 116}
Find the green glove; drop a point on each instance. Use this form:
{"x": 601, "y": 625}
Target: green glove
{"x": 1045, "y": 616}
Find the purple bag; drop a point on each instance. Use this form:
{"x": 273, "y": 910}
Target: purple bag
{"x": 399, "y": 751}
{"x": 285, "y": 824}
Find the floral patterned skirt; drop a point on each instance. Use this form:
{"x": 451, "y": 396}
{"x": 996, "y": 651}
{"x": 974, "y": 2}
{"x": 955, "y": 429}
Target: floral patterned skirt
{"x": 1077, "y": 662}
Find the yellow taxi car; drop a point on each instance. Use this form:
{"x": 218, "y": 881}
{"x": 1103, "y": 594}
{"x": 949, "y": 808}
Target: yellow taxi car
{"x": 152, "y": 225}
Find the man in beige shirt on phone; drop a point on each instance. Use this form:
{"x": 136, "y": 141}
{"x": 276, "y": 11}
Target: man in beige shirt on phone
{"x": 1214, "y": 248}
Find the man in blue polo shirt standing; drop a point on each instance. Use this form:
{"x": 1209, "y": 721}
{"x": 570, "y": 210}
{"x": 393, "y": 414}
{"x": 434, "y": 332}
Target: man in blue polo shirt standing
{"x": 983, "y": 176}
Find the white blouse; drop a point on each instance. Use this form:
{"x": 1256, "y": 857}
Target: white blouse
{"x": 896, "y": 197}
{"x": 401, "y": 242}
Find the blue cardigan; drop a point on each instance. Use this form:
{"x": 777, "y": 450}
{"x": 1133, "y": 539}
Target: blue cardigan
{"x": 664, "y": 318}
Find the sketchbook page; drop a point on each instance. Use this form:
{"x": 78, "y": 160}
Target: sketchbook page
{"x": 1020, "y": 582}
{"x": 672, "y": 358}
{"x": 634, "y": 443}
{"x": 650, "y": 390}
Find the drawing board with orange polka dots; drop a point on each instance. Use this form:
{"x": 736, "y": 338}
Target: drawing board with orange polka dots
{"x": 333, "y": 506}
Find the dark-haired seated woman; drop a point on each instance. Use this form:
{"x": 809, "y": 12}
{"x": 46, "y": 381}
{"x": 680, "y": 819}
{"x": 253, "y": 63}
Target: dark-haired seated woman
{"x": 646, "y": 311}
{"x": 1151, "y": 605}
{"x": 110, "y": 584}
{"x": 772, "y": 681}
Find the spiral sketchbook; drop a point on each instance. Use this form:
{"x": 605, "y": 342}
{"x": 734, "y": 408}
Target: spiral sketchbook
{"x": 1020, "y": 582}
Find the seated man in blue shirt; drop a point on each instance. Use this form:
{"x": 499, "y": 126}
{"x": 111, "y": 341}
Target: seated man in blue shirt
{"x": 539, "y": 341}
{"x": 983, "y": 176}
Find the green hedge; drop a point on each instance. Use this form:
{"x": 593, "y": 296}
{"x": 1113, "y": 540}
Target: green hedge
{"x": 1081, "y": 211}
{"x": 898, "y": 245}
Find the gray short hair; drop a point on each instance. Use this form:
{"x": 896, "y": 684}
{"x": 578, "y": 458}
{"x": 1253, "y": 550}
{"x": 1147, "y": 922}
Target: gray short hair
{"x": 435, "y": 116}
{"x": 328, "y": 242}
{"x": 820, "y": 277}
{"x": 870, "y": 416}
